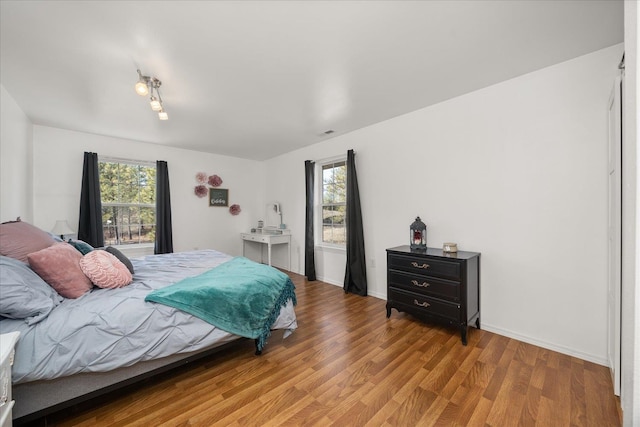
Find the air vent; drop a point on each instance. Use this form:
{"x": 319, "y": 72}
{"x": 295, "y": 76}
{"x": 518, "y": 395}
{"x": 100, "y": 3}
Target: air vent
{"x": 328, "y": 132}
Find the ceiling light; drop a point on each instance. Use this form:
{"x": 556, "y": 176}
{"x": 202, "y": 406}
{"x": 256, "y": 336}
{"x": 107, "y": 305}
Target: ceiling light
{"x": 146, "y": 85}
{"x": 142, "y": 86}
{"x": 155, "y": 104}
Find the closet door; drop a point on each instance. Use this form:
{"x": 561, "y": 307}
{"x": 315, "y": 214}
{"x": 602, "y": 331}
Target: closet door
{"x": 615, "y": 233}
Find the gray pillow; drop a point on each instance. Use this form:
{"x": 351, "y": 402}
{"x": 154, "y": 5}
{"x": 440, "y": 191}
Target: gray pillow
{"x": 122, "y": 257}
{"x": 24, "y": 294}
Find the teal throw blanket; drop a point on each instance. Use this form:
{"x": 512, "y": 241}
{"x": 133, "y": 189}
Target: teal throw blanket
{"x": 240, "y": 296}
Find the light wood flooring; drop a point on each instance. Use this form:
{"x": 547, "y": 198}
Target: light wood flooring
{"x": 348, "y": 365}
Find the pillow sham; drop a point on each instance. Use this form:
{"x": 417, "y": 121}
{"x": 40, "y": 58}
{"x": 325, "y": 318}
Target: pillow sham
{"x": 122, "y": 257}
{"x": 24, "y": 294}
{"x": 59, "y": 266}
{"x": 82, "y": 247}
{"x": 18, "y": 239}
{"x": 105, "y": 270}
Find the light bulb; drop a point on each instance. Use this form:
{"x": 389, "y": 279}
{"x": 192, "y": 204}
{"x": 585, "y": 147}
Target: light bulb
{"x": 155, "y": 104}
{"x": 141, "y": 88}
{"x": 162, "y": 115}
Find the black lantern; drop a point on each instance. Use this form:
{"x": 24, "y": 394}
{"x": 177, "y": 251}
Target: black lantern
{"x": 418, "y": 235}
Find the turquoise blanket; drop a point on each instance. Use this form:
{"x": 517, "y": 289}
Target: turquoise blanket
{"x": 240, "y": 296}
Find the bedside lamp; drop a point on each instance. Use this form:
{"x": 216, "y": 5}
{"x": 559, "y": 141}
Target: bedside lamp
{"x": 61, "y": 228}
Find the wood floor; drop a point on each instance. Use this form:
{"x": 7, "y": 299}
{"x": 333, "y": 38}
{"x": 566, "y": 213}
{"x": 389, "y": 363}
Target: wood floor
{"x": 348, "y": 365}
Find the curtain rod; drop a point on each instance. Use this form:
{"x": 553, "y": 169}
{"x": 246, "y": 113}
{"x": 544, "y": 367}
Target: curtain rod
{"x": 124, "y": 160}
{"x": 333, "y": 158}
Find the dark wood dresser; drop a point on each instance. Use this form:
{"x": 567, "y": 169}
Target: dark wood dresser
{"x": 435, "y": 286}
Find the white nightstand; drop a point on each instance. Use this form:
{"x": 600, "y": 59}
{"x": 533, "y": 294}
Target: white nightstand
{"x": 7, "y": 345}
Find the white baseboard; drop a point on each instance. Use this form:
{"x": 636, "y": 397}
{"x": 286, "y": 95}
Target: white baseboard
{"x": 341, "y": 285}
{"x": 544, "y": 344}
{"x": 512, "y": 334}
{"x": 329, "y": 281}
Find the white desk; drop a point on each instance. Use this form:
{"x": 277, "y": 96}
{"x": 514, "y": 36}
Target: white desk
{"x": 269, "y": 240}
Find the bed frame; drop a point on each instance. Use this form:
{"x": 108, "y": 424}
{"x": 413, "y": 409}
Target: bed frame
{"x": 37, "y": 399}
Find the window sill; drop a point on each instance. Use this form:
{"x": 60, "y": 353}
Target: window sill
{"x": 136, "y": 250}
{"x": 332, "y": 248}
{"x": 134, "y": 245}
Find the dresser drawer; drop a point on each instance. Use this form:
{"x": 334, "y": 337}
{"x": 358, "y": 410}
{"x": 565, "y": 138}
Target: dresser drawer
{"x": 431, "y": 267}
{"x": 426, "y": 305}
{"x": 425, "y": 285}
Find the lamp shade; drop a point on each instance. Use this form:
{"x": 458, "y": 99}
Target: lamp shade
{"x": 142, "y": 88}
{"x": 155, "y": 104}
{"x": 162, "y": 115}
{"x": 61, "y": 228}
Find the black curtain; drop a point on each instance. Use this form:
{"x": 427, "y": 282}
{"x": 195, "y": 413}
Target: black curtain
{"x": 309, "y": 244}
{"x": 355, "y": 277}
{"x": 164, "y": 235}
{"x": 90, "y": 222}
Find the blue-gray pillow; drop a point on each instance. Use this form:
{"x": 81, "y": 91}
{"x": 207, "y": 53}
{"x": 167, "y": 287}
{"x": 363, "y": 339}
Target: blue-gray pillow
{"x": 82, "y": 247}
{"x": 121, "y": 257}
{"x": 24, "y": 294}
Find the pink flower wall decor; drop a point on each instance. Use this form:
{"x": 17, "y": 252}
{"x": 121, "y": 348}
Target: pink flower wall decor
{"x": 201, "y": 177}
{"x": 201, "y": 191}
{"x": 234, "y": 209}
{"x": 215, "y": 181}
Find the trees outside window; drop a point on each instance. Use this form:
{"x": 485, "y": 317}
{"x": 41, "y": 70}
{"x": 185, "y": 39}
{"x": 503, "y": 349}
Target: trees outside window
{"x": 128, "y": 194}
{"x": 334, "y": 202}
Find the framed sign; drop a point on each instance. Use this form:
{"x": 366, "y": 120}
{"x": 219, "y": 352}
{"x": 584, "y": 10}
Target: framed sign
{"x": 218, "y": 197}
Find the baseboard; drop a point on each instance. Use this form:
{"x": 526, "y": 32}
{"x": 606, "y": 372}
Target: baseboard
{"x": 341, "y": 285}
{"x": 329, "y": 281}
{"x": 511, "y": 334}
{"x": 544, "y": 344}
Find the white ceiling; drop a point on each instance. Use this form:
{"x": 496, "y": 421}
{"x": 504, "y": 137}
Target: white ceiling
{"x": 257, "y": 79}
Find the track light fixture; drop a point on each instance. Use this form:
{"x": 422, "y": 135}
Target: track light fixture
{"x": 147, "y": 85}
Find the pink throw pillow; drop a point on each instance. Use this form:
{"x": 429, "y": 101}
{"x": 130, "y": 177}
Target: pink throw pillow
{"x": 105, "y": 270}
{"x": 59, "y": 266}
{"x": 18, "y": 239}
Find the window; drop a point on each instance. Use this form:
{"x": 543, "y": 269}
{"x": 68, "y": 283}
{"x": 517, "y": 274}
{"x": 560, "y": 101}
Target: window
{"x": 334, "y": 202}
{"x": 128, "y": 194}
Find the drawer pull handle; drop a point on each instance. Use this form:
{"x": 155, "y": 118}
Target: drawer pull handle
{"x": 421, "y": 304}
{"x": 422, "y": 285}
{"x": 416, "y": 265}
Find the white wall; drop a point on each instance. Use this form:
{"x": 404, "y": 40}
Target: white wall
{"x": 630, "y": 387}
{"x": 58, "y": 158}
{"x": 516, "y": 171}
{"x": 15, "y": 160}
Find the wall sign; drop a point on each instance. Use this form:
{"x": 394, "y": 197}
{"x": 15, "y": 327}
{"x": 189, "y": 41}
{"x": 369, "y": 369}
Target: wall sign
{"x": 218, "y": 197}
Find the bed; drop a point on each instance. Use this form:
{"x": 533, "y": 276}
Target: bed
{"x": 108, "y": 338}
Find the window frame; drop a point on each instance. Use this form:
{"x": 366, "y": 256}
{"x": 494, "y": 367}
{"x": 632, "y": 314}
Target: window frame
{"x": 132, "y": 162}
{"x": 319, "y": 205}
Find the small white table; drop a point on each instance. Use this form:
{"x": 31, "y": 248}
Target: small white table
{"x": 269, "y": 240}
{"x": 7, "y": 344}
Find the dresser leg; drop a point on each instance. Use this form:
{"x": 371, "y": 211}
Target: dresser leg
{"x": 478, "y": 323}
{"x": 388, "y": 311}
{"x": 463, "y": 332}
